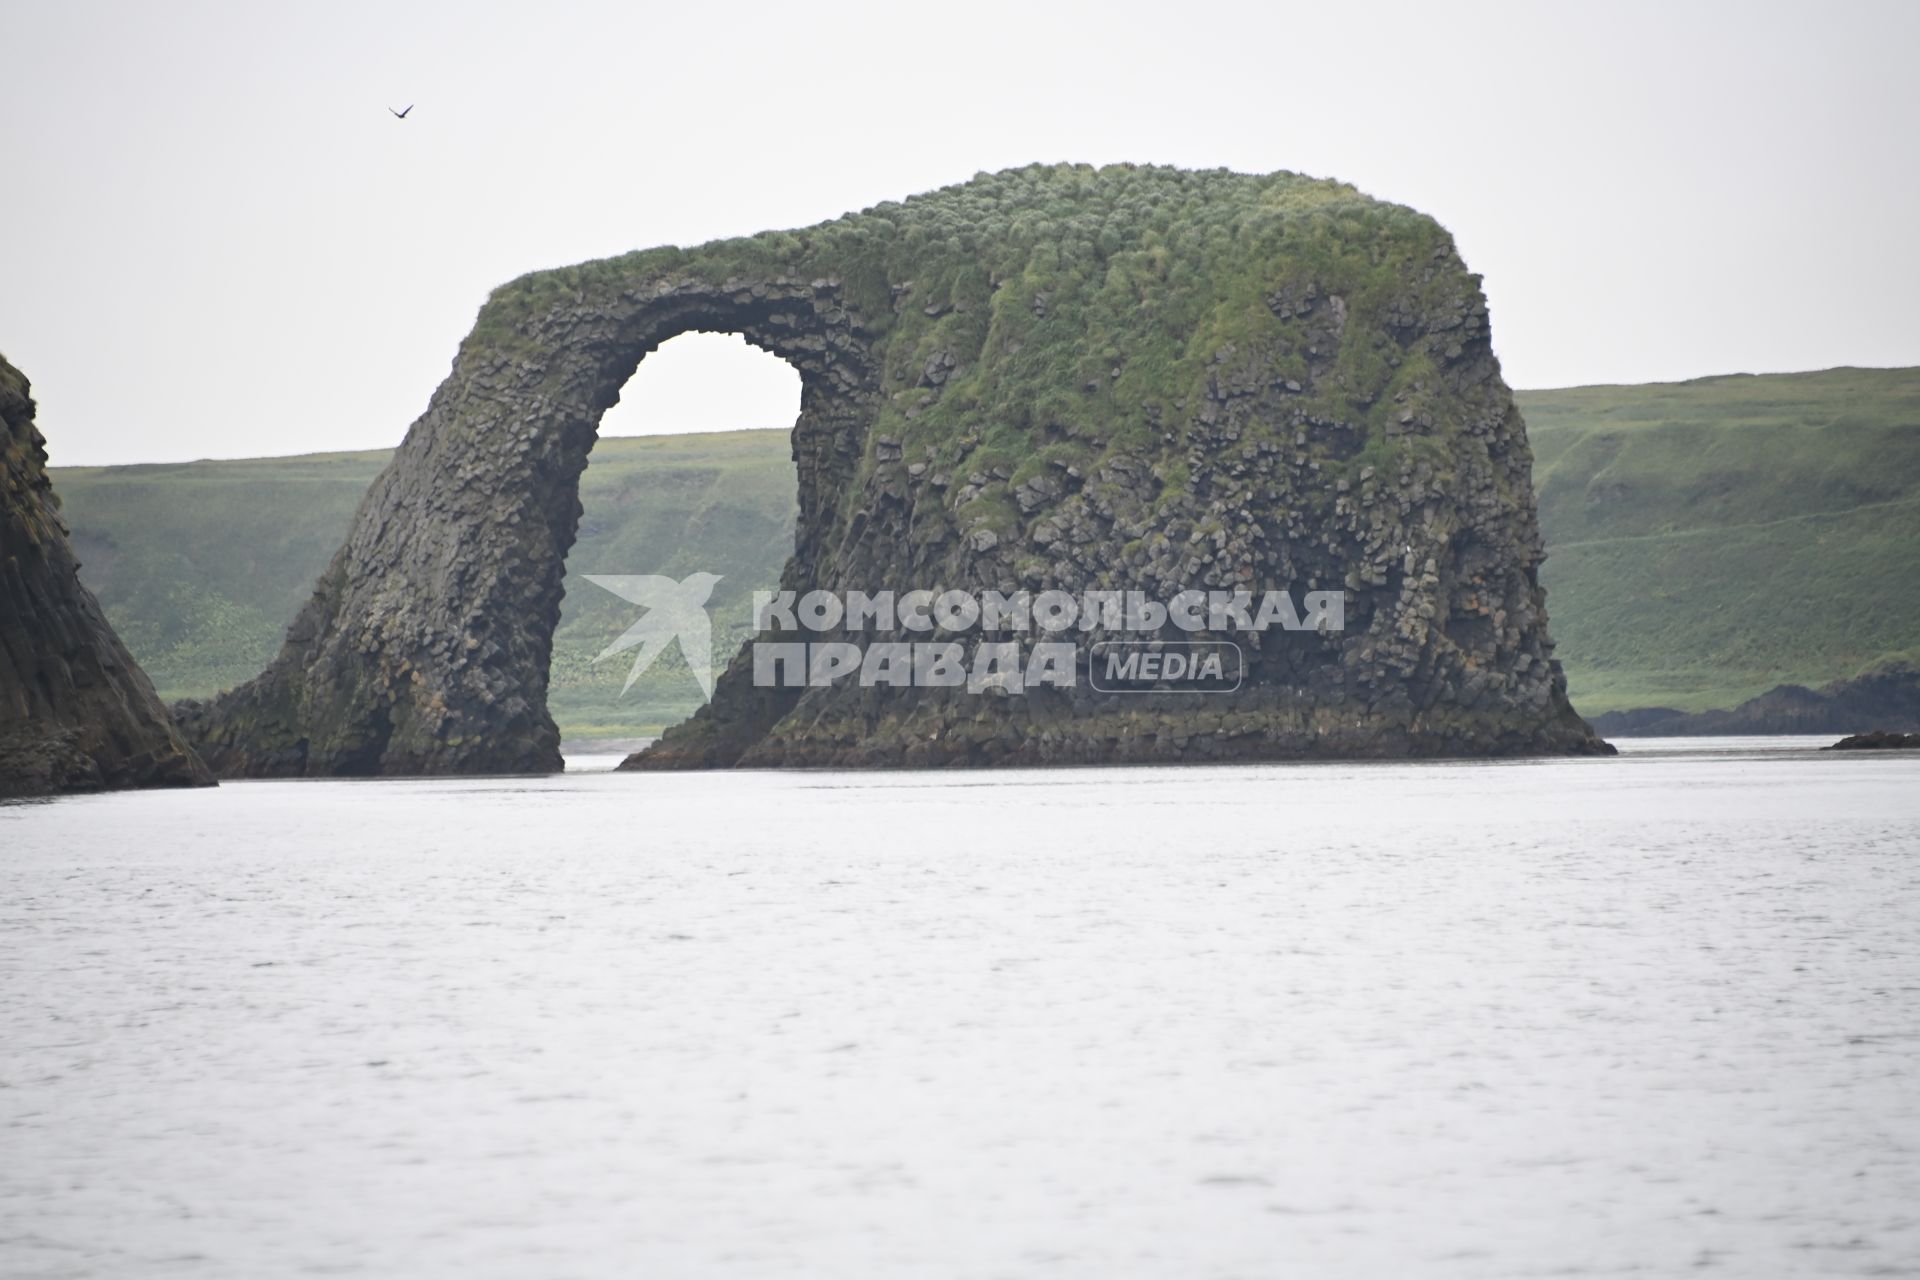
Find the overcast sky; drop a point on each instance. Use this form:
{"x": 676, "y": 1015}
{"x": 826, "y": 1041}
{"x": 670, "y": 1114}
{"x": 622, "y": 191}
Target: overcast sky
{"x": 216, "y": 242}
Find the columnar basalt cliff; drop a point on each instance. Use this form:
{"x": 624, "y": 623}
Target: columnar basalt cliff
{"x": 1051, "y": 378}
{"x": 76, "y": 712}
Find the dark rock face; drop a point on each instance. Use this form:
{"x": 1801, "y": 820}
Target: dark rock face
{"x": 1886, "y": 697}
{"x": 1123, "y": 379}
{"x": 76, "y": 712}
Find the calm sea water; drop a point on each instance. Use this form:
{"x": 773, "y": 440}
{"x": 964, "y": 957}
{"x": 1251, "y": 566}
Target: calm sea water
{"x": 1649, "y": 1015}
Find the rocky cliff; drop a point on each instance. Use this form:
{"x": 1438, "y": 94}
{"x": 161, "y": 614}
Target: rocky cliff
{"x": 76, "y": 712}
{"x": 1063, "y": 378}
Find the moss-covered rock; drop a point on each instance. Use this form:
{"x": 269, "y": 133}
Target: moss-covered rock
{"x": 1055, "y": 377}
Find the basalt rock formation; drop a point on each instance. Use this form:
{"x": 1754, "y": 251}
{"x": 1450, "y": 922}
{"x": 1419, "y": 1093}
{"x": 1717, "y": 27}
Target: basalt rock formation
{"x": 1051, "y": 378}
{"x": 76, "y": 712}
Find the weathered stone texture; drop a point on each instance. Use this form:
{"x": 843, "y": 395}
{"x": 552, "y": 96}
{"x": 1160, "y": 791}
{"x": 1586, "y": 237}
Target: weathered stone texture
{"x": 76, "y": 712}
{"x": 1350, "y": 430}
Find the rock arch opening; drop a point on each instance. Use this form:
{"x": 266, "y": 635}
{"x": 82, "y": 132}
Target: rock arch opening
{"x": 705, "y": 382}
{"x": 692, "y": 472}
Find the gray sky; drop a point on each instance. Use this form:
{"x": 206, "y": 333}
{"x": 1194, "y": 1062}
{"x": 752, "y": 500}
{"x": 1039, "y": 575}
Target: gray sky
{"x": 215, "y": 242}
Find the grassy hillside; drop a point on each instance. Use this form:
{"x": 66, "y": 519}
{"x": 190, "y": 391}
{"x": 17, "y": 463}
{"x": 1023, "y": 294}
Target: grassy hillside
{"x": 201, "y": 565}
{"x": 1713, "y": 538}
{"x": 1708, "y": 540}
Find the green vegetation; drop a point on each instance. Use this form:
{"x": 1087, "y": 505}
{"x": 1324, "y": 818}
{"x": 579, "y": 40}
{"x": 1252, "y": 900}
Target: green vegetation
{"x": 1708, "y": 540}
{"x": 1711, "y": 539}
{"x": 201, "y": 565}
{"x": 1074, "y": 301}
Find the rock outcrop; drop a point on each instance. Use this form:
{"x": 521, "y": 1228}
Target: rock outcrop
{"x": 1884, "y": 697}
{"x": 1052, "y": 378}
{"x": 76, "y": 712}
{"x": 1878, "y": 740}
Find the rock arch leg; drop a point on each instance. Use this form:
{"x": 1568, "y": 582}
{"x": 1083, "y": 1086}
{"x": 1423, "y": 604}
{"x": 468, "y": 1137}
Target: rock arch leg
{"x": 426, "y": 644}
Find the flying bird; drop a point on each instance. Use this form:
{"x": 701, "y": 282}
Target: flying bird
{"x": 400, "y": 115}
{"x": 674, "y": 611}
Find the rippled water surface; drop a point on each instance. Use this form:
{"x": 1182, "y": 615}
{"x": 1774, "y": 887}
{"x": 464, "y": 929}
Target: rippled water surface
{"x": 1654, "y": 1014}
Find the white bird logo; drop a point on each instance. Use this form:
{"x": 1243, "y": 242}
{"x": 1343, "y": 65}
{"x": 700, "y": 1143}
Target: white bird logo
{"x": 674, "y": 611}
